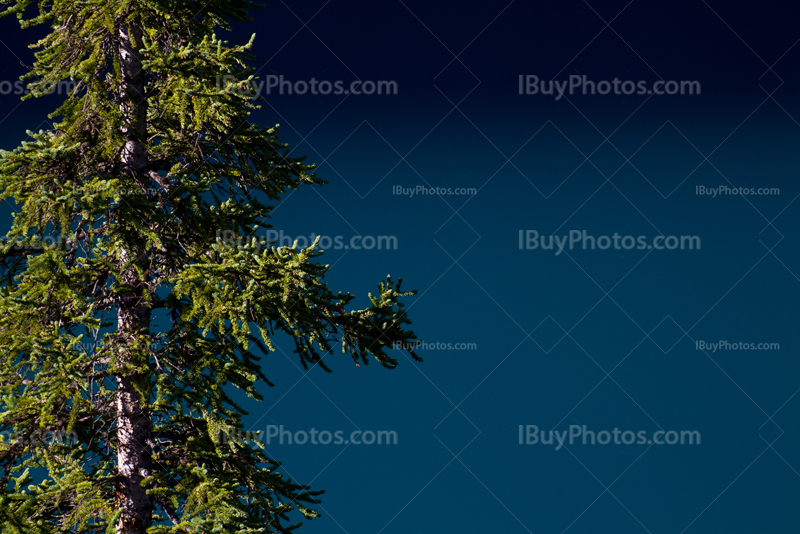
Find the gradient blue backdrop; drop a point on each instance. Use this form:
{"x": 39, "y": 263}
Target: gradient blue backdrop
{"x": 605, "y": 339}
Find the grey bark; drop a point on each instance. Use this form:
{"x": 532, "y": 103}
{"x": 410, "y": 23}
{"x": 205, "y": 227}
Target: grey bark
{"x": 134, "y": 457}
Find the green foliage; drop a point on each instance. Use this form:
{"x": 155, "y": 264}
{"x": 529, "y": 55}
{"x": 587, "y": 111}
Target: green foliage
{"x": 95, "y": 234}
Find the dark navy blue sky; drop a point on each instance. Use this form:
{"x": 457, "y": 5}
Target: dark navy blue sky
{"x": 603, "y": 338}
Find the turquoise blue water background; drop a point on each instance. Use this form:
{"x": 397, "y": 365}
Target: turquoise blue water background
{"x": 609, "y": 339}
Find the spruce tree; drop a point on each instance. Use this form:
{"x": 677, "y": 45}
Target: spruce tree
{"x": 142, "y": 200}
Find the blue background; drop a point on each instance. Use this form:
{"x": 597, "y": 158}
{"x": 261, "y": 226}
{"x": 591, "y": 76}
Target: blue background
{"x": 600, "y": 338}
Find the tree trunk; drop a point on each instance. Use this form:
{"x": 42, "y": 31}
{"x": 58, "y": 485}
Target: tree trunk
{"x": 134, "y": 460}
{"x": 133, "y": 453}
